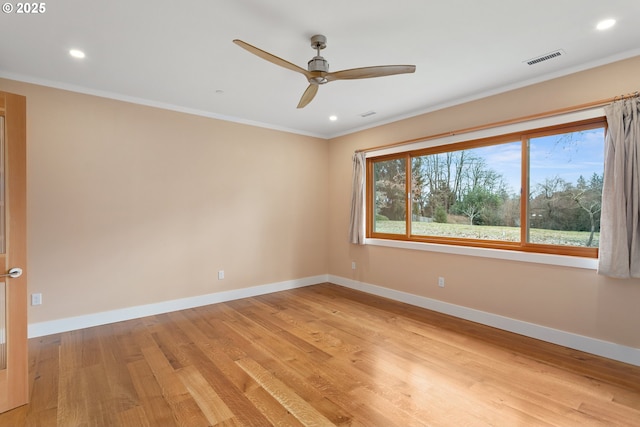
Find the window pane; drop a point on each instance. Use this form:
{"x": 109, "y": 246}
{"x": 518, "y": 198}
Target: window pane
{"x": 390, "y": 199}
{"x": 472, "y": 193}
{"x": 565, "y": 188}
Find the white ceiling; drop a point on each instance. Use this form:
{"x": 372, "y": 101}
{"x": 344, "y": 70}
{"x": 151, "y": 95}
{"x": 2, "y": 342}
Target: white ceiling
{"x": 179, "y": 54}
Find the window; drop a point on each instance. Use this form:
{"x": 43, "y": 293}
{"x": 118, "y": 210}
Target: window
{"x": 537, "y": 190}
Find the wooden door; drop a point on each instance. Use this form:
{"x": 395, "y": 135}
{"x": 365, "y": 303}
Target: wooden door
{"x": 14, "y": 385}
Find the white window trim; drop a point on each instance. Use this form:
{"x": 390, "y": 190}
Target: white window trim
{"x": 511, "y": 255}
{"x": 532, "y": 257}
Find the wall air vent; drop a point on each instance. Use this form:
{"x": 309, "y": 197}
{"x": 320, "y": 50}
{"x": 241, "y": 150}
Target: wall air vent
{"x": 545, "y": 57}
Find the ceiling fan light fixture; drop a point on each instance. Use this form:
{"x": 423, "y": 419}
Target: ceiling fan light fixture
{"x": 318, "y": 80}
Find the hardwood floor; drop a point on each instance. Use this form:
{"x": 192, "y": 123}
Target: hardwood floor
{"x": 320, "y": 355}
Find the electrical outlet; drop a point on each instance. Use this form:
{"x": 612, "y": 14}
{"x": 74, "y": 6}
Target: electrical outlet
{"x": 353, "y": 265}
{"x": 36, "y": 299}
{"x": 220, "y": 274}
{"x": 441, "y": 282}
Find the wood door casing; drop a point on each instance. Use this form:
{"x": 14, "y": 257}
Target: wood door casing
{"x": 14, "y": 385}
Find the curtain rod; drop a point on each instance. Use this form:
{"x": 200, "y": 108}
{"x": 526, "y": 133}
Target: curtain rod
{"x": 551, "y": 113}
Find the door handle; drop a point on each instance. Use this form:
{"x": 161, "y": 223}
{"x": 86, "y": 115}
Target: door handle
{"x": 14, "y": 273}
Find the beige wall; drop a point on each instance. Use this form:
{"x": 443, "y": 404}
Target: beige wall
{"x": 131, "y": 205}
{"x": 569, "y": 299}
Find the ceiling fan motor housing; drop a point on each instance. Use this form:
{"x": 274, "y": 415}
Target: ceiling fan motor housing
{"x": 318, "y": 64}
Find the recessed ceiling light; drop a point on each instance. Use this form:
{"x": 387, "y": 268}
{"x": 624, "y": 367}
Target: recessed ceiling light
{"x": 333, "y": 118}
{"x": 605, "y": 24}
{"x": 77, "y": 53}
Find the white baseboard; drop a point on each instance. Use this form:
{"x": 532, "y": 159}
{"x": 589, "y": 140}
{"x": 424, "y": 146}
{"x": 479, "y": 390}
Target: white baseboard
{"x": 590, "y": 345}
{"x": 106, "y": 317}
{"x": 578, "y": 342}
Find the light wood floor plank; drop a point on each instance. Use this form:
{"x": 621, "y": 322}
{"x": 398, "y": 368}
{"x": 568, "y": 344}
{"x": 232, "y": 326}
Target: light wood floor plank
{"x": 320, "y": 355}
{"x": 211, "y": 405}
{"x": 185, "y": 409}
{"x": 297, "y": 406}
{"x": 157, "y": 410}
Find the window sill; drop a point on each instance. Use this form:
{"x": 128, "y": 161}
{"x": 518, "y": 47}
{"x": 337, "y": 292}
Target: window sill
{"x": 560, "y": 260}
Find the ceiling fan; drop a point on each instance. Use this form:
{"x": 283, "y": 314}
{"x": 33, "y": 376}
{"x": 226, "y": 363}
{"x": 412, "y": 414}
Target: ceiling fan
{"x": 317, "y": 72}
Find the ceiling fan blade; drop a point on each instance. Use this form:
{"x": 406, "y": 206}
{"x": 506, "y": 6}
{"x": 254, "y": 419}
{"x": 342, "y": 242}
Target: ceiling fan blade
{"x": 308, "y": 95}
{"x": 369, "y": 72}
{"x": 271, "y": 58}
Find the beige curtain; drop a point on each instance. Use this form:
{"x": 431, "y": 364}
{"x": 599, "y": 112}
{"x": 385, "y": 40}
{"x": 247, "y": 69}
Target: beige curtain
{"x": 620, "y": 221}
{"x": 357, "y": 220}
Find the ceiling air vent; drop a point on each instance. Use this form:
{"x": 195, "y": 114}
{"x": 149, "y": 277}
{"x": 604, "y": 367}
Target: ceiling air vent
{"x": 545, "y": 57}
{"x": 367, "y": 114}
